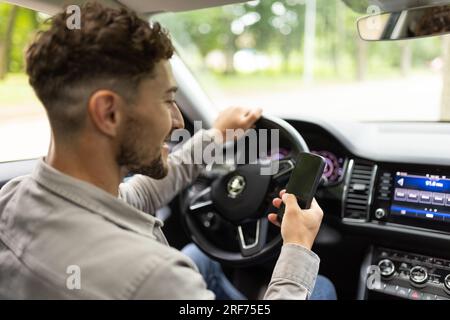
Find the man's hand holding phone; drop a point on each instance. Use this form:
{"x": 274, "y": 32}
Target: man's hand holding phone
{"x": 298, "y": 226}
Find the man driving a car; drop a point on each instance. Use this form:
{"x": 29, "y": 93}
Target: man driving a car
{"x": 108, "y": 91}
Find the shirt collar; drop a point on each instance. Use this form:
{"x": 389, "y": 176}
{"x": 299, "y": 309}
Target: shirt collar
{"x": 95, "y": 200}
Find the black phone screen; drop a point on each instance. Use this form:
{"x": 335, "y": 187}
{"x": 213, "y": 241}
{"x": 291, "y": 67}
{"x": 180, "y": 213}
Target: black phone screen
{"x": 305, "y": 179}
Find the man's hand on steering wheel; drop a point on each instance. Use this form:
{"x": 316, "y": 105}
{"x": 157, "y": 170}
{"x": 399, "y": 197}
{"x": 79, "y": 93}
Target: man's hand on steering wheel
{"x": 298, "y": 226}
{"x": 236, "y": 118}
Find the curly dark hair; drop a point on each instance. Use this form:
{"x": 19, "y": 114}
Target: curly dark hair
{"x": 434, "y": 21}
{"x": 114, "y": 49}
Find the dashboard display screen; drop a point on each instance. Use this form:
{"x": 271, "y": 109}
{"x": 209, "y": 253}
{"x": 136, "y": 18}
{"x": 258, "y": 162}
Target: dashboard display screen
{"x": 421, "y": 197}
{"x": 334, "y": 168}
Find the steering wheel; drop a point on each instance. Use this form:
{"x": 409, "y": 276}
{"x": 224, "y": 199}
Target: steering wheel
{"x": 225, "y": 211}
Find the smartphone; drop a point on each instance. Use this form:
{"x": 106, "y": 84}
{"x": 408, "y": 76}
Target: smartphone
{"x": 304, "y": 180}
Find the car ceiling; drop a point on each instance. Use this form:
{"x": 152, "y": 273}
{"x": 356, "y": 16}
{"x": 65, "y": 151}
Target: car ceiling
{"x": 140, "y": 6}
{"x": 153, "y": 6}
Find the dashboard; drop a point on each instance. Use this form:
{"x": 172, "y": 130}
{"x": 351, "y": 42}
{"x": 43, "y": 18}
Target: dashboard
{"x": 323, "y": 144}
{"x": 391, "y": 197}
{"x": 383, "y": 178}
{"x": 386, "y": 203}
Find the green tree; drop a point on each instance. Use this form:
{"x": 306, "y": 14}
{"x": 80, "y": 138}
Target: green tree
{"x": 8, "y": 17}
{"x": 17, "y": 27}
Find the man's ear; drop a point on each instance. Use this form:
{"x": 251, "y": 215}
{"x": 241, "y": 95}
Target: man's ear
{"x": 105, "y": 112}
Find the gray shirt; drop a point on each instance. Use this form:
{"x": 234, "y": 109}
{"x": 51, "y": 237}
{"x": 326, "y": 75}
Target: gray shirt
{"x": 62, "y": 238}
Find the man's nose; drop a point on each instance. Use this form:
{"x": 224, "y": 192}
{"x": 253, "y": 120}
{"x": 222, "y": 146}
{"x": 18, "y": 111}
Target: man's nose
{"x": 177, "y": 118}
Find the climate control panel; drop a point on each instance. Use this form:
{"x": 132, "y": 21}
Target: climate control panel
{"x": 411, "y": 276}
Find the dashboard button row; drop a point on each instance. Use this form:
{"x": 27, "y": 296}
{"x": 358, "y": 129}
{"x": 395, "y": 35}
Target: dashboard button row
{"x": 408, "y": 293}
{"x": 424, "y": 197}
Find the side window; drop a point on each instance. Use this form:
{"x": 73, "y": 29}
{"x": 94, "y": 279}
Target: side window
{"x": 24, "y": 129}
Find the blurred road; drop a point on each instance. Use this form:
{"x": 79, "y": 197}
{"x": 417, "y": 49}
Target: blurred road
{"x": 416, "y": 98}
{"x": 25, "y": 133}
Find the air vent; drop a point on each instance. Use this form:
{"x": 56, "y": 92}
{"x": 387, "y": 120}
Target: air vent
{"x": 358, "y": 190}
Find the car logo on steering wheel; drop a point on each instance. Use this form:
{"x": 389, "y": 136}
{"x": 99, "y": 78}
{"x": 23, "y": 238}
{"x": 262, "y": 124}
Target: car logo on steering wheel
{"x": 235, "y": 186}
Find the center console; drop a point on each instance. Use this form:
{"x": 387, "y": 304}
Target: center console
{"x": 393, "y": 273}
{"x": 401, "y": 206}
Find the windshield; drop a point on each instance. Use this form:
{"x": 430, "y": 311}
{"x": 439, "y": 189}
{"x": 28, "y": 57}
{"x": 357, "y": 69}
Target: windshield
{"x": 294, "y": 58}
{"x": 299, "y": 58}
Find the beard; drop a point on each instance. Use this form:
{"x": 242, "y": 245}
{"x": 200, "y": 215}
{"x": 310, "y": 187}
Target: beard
{"x": 134, "y": 155}
{"x": 156, "y": 169}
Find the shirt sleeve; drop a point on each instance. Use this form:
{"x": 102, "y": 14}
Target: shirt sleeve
{"x": 185, "y": 164}
{"x": 294, "y": 275}
{"x": 293, "y": 278}
{"x": 177, "y": 279}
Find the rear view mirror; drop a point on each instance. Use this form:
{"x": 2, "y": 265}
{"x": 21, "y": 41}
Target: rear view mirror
{"x": 406, "y": 24}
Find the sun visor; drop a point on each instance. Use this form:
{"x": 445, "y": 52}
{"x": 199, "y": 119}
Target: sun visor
{"x": 154, "y": 6}
{"x": 141, "y": 6}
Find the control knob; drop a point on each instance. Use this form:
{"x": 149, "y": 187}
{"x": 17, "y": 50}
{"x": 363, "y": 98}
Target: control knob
{"x": 418, "y": 276}
{"x": 447, "y": 283}
{"x": 387, "y": 268}
{"x": 380, "y": 213}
